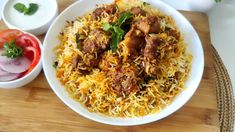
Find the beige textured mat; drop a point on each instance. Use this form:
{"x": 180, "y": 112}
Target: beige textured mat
{"x": 225, "y": 97}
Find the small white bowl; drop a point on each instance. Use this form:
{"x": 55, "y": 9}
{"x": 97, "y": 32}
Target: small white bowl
{"x": 38, "y": 23}
{"x": 80, "y": 8}
{"x": 28, "y": 77}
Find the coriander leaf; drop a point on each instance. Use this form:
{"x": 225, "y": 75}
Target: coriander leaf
{"x": 117, "y": 36}
{"x": 32, "y": 9}
{"x": 217, "y": 1}
{"x": 117, "y": 32}
{"x": 20, "y": 7}
{"x": 78, "y": 41}
{"x": 113, "y": 44}
{"x": 55, "y": 64}
{"x": 12, "y": 50}
{"x": 107, "y": 26}
{"x": 123, "y": 18}
{"x": 146, "y": 4}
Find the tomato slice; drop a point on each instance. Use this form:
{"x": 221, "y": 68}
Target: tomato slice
{"x": 23, "y": 74}
{"x": 2, "y": 41}
{"x": 8, "y": 35}
{"x": 26, "y": 40}
{"x": 33, "y": 54}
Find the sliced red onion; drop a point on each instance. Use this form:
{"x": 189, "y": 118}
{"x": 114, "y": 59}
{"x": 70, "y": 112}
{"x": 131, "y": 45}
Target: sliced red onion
{"x": 19, "y": 65}
{"x": 9, "y": 77}
{"x": 4, "y": 58}
{"x": 2, "y": 72}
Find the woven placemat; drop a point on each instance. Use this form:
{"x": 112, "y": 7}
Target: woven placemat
{"x": 225, "y": 97}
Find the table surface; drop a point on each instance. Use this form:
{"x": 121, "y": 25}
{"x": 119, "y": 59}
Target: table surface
{"x": 35, "y": 107}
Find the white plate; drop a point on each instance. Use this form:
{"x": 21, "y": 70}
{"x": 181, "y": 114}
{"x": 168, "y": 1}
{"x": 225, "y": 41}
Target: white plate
{"x": 83, "y": 6}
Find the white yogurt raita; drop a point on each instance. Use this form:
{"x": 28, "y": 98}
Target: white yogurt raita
{"x": 47, "y": 9}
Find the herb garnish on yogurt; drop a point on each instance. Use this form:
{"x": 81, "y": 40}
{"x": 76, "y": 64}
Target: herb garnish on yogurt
{"x": 30, "y": 10}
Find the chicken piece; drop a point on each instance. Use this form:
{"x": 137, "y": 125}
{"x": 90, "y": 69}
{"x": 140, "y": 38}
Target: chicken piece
{"x": 84, "y": 65}
{"x": 91, "y": 60}
{"x": 92, "y": 46}
{"x": 110, "y": 9}
{"x": 175, "y": 34}
{"x": 124, "y": 80}
{"x": 151, "y": 68}
{"x": 132, "y": 43}
{"x": 150, "y": 24}
{"x": 151, "y": 46}
{"x": 97, "y": 13}
{"x": 80, "y": 66}
{"x": 134, "y": 39}
{"x": 97, "y": 42}
{"x": 134, "y": 32}
{"x": 137, "y": 11}
{"x": 150, "y": 55}
{"x": 108, "y": 61}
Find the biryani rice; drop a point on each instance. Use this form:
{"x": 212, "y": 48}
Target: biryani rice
{"x": 93, "y": 90}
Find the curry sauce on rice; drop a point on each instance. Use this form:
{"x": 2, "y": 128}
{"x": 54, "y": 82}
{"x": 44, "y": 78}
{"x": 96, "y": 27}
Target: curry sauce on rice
{"x": 123, "y": 60}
